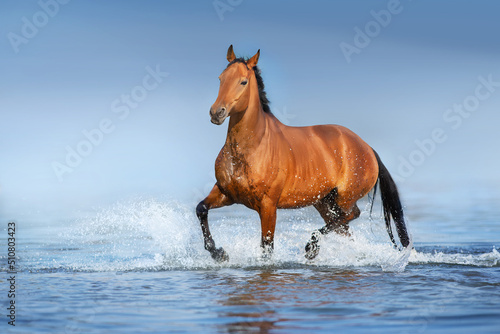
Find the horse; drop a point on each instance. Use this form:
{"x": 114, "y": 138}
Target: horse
{"x": 266, "y": 165}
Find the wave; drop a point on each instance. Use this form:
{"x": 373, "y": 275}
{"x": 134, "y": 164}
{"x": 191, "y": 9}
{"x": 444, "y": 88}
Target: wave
{"x": 153, "y": 235}
{"x": 482, "y": 259}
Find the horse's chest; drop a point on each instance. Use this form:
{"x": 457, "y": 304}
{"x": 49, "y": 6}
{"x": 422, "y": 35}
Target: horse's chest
{"x": 232, "y": 172}
{"x": 236, "y": 175}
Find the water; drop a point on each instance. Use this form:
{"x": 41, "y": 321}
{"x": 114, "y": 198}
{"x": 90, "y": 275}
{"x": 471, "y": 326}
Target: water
{"x": 140, "y": 266}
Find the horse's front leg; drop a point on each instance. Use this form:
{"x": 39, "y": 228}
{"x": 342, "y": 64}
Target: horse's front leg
{"x": 214, "y": 200}
{"x": 267, "y": 214}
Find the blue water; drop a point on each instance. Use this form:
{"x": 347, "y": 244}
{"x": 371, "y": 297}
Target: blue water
{"x": 140, "y": 266}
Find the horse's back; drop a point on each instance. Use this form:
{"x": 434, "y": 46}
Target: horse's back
{"x": 328, "y": 141}
{"x": 328, "y": 157}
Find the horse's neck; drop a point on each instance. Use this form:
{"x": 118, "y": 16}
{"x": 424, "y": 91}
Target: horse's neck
{"x": 247, "y": 129}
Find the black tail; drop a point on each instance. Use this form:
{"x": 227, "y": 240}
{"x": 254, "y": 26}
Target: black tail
{"x": 392, "y": 204}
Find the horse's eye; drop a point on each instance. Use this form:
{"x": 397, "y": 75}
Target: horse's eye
{"x": 244, "y": 82}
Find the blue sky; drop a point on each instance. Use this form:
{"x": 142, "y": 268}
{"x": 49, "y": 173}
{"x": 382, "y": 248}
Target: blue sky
{"x": 75, "y": 69}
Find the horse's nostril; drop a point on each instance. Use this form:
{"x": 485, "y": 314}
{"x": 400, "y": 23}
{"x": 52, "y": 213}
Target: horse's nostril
{"x": 221, "y": 112}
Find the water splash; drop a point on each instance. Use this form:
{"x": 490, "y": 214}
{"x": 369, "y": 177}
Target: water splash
{"x": 149, "y": 235}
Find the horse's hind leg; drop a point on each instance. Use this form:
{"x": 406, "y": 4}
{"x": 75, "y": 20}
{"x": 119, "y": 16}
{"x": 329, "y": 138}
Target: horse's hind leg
{"x": 336, "y": 217}
{"x": 214, "y": 200}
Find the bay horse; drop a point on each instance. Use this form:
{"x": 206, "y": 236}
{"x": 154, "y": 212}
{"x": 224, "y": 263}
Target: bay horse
{"x": 266, "y": 165}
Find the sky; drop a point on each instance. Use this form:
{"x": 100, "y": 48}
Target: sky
{"x": 103, "y": 101}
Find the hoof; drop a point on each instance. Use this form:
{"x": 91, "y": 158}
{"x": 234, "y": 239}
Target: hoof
{"x": 220, "y": 255}
{"x": 266, "y": 255}
{"x": 267, "y": 252}
{"x": 312, "y": 250}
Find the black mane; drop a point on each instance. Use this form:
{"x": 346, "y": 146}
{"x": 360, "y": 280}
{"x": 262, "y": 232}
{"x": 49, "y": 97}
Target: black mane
{"x": 260, "y": 83}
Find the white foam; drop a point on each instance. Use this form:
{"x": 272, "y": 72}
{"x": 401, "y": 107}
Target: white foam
{"x": 490, "y": 259}
{"x": 163, "y": 235}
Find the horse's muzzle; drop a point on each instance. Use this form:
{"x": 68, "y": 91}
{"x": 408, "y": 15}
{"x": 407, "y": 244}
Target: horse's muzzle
{"x": 219, "y": 116}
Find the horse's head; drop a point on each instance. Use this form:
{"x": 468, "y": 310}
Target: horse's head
{"x": 235, "y": 84}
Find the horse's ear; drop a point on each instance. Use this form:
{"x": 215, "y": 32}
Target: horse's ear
{"x": 230, "y": 54}
{"x": 252, "y": 62}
